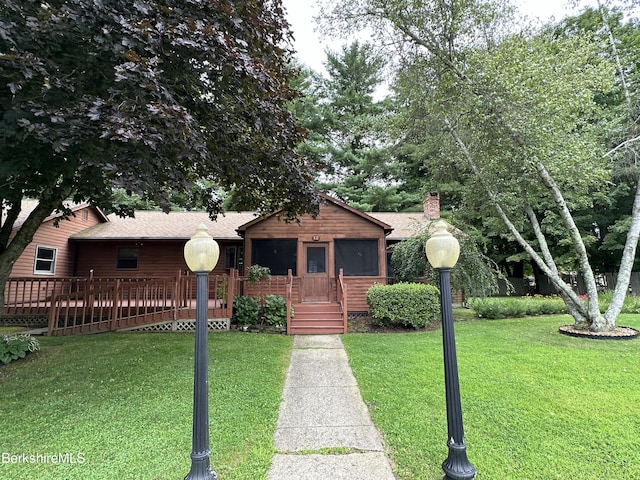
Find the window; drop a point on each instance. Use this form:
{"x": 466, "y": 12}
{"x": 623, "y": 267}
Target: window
{"x": 316, "y": 260}
{"x": 279, "y": 254}
{"x": 45, "y": 261}
{"x": 127, "y": 258}
{"x": 357, "y": 257}
{"x": 231, "y": 256}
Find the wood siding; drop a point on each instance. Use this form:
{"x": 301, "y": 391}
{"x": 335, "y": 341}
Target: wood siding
{"x": 48, "y": 235}
{"x": 333, "y": 222}
{"x": 156, "y": 258}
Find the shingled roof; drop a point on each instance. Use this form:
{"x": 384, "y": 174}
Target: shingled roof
{"x": 155, "y": 225}
{"x": 29, "y": 206}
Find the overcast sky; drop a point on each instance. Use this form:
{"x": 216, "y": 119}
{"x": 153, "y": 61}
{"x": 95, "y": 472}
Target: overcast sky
{"x": 311, "y": 49}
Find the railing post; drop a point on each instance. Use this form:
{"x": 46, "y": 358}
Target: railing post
{"x": 52, "y": 315}
{"x": 288, "y": 295}
{"x": 114, "y": 310}
{"x": 231, "y": 292}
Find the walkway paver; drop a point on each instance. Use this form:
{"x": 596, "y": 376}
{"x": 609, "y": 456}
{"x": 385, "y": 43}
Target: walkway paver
{"x": 322, "y": 409}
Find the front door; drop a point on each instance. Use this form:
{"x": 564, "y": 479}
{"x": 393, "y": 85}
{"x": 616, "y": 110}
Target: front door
{"x": 315, "y": 282}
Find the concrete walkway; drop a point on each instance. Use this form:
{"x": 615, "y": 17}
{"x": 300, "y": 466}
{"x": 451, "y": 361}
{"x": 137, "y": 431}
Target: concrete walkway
{"x": 324, "y": 430}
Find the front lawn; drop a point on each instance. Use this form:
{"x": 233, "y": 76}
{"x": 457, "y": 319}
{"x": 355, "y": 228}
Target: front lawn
{"x": 119, "y": 406}
{"x": 536, "y": 404}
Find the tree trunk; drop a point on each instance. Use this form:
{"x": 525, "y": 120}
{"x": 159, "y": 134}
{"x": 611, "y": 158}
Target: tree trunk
{"x": 626, "y": 263}
{"x": 584, "y": 315}
{"x": 596, "y": 321}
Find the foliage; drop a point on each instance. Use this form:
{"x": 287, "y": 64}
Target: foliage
{"x": 631, "y": 302}
{"x": 151, "y": 97}
{"x": 257, "y": 273}
{"x": 246, "y": 310}
{"x": 519, "y": 112}
{"x": 117, "y": 397}
{"x": 474, "y": 273}
{"x": 525, "y": 390}
{"x": 349, "y": 132}
{"x": 410, "y": 304}
{"x": 17, "y": 346}
{"x": 510, "y": 307}
{"x": 274, "y": 310}
{"x": 146, "y": 96}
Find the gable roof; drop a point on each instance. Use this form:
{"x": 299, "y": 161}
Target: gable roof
{"x": 29, "y": 206}
{"x": 157, "y": 225}
{"x": 327, "y": 199}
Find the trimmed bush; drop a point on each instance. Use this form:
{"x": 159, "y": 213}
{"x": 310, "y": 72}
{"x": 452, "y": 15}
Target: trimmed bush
{"x": 511, "y": 307}
{"x": 246, "y": 310}
{"x": 410, "y": 304}
{"x": 17, "y": 346}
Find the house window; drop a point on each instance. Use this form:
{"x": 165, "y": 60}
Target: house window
{"x": 357, "y": 257}
{"x": 45, "y": 263}
{"x": 279, "y": 254}
{"x": 127, "y": 258}
{"x": 231, "y": 254}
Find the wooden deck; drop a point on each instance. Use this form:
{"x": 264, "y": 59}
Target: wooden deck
{"x": 91, "y": 305}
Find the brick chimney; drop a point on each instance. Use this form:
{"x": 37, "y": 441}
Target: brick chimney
{"x": 431, "y": 205}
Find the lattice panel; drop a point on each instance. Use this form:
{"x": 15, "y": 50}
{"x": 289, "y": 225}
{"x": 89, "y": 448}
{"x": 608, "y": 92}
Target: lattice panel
{"x": 217, "y": 324}
{"x": 24, "y": 321}
{"x": 358, "y": 316}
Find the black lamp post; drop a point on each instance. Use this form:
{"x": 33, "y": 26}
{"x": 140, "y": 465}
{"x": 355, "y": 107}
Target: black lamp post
{"x": 443, "y": 251}
{"x": 201, "y": 254}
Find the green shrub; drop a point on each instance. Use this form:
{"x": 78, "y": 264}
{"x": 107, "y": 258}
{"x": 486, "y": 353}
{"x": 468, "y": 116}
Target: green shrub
{"x": 408, "y": 304}
{"x": 631, "y": 302}
{"x": 510, "y": 307}
{"x": 246, "y": 310}
{"x": 257, "y": 273}
{"x": 17, "y": 346}
{"x": 274, "y": 310}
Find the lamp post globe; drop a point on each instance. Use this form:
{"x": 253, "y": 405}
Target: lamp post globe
{"x": 201, "y": 254}
{"x": 443, "y": 251}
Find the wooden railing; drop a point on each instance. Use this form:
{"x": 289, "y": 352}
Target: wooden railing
{"x": 289, "y": 298}
{"x": 32, "y": 296}
{"x": 341, "y": 293}
{"x": 132, "y": 302}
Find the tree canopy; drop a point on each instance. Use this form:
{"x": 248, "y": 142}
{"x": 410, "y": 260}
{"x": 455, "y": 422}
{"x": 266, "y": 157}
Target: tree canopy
{"x": 149, "y": 96}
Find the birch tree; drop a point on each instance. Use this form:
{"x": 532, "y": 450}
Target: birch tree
{"x": 520, "y": 110}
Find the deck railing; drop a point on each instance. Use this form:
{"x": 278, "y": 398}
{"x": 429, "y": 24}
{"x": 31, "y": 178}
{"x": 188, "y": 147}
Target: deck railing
{"x": 341, "y": 293}
{"x": 289, "y": 298}
{"x": 124, "y": 303}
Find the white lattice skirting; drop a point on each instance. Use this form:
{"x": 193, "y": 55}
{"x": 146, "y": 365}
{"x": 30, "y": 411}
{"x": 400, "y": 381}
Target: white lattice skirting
{"x": 215, "y": 325}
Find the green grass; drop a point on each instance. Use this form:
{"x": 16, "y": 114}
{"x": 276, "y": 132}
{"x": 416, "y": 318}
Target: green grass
{"x": 124, "y": 401}
{"x": 536, "y": 404}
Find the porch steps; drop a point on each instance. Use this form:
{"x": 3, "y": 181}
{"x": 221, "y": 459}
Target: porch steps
{"x": 322, "y": 318}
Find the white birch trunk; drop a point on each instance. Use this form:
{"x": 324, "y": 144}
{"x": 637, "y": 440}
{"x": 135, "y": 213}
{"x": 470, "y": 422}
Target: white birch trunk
{"x": 626, "y": 263}
{"x": 574, "y": 305}
{"x": 596, "y": 320}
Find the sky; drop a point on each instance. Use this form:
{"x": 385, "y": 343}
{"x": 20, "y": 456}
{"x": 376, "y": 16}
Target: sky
{"x": 310, "y": 46}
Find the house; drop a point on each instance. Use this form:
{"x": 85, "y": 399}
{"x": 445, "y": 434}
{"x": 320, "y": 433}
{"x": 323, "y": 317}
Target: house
{"x": 50, "y": 253}
{"x": 324, "y": 264}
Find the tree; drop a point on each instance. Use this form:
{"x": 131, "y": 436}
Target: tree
{"x": 475, "y": 273}
{"x": 521, "y": 111}
{"x": 148, "y": 96}
{"x": 348, "y": 127}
